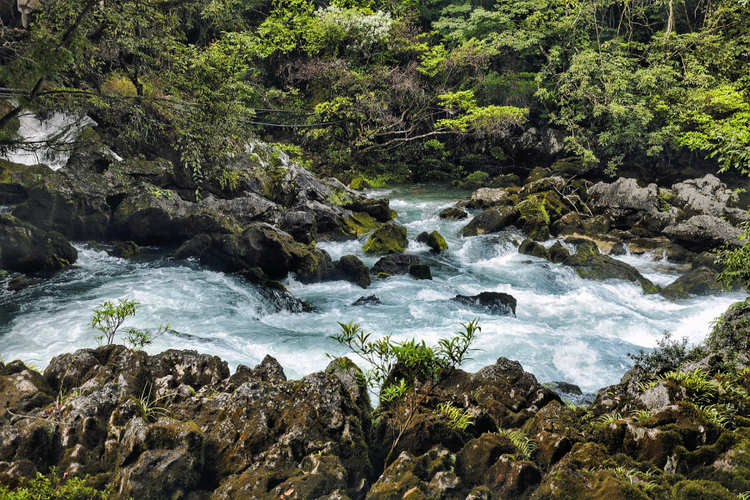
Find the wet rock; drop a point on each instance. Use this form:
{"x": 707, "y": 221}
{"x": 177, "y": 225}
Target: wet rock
{"x": 534, "y": 249}
{"x": 350, "y": 268}
{"x": 300, "y": 225}
{"x": 492, "y": 302}
{"x": 558, "y": 253}
{"x": 602, "y": 267}
{"x": 390, "y": 238}
{"x": 433, "y": 240}
{"x": 566, "y": 388}
{"x": 700, "y": 281}
{"x": 488, "y": 197}
{"x": 709, "y": 260}
{"x": 492, "y": 220}
{"x": 394, "y": 264}
{"x": 125, "y": 249}
{"x": 661, "y": 396}
{"x": 703, "y": 232}
{"x": 379, "y": 209}
{"x": 369, "y": 300}
{"x": 17, "y": 180}
{"x": 536, "y": 228}
{"x": 453, "y": 213}
{"x": 421, "y": 271}
{"x": 26, "y": 249}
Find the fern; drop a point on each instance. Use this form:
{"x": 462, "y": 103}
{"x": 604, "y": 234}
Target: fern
{"x": 521, "y": 441}
{"x": 458, "y": 419}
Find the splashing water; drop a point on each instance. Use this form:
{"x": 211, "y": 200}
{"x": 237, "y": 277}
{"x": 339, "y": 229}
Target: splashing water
{"x": 566, "y": 328}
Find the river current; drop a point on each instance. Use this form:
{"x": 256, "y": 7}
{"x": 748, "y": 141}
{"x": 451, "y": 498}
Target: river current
{"x": 567, "y": 328}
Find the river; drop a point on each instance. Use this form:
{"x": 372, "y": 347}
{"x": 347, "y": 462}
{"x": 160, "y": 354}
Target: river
{"x": 567, "y": 328}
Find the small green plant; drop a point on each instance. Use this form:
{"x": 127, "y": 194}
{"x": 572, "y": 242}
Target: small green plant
{"x": 52, "y": 486}
{"x": 608, "y": 419}
{"x": 110, "y": 316}
{"x": 668, "y": 354}
{"x": 521, "y": 441}
{"x": 458, "y": 419}
{"x": 406, "y": 372}
{"x": 640, "y": 415}
{"x": 138, "y": 339}
{"x": 148, "y": 404}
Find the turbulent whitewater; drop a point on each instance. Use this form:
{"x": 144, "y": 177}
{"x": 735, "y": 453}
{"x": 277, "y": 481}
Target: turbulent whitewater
{"x": 566, "y": 328}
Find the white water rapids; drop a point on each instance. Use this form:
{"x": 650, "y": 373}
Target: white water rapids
{"x": 566, "y": 328}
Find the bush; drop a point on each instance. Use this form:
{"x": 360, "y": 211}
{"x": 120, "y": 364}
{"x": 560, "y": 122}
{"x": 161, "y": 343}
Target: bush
{"x": 406, "y": 373}
{"x": 668, "y": 355}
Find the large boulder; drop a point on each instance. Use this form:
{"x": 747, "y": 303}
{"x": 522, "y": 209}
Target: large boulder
{"x": 395, "y": 264}
{"x": 488, "y": 197}
{"x": 703, "y": 233}
{"x": 389, "y": 238}
{"x": 262, "y": 246}
{"x": 350, "y": 268}
{"x": 26, "y": 249}
{"x": 707, "y": 196}
{"x": 453, "y": 213}
{"x": 492, "y": 220}
{"x": 17, "y": 180}
{"x": 629, "y": 205}
{"x": 602, "y": 267}
{"x": 697, "y": 281}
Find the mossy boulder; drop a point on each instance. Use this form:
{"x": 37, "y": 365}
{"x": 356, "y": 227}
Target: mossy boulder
{"x": 558, "y": 253}
{"x": 536, "y": 228}
{"x": 602, "y": 267}
{"x": 389, "y": 238}
{"x": 427, "y": 476}
{"x": 350, "y": 268}
{"x": 434, "y": 240}
{"x": 377, "y": 208}
{"x": 528, "y": 247}
{"x": 16, "y": 180}
{"x": 452, "y": 213}
{"x": 700, "y": 281}
{"x": 26, "y": 249}
{"x": 125, "y": 249}
{"x": 484, "y": 198}
{"x": 492, "y": 220}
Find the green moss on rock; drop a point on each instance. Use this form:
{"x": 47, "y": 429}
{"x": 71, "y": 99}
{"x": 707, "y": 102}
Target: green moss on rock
{"x": 389, "y": 238}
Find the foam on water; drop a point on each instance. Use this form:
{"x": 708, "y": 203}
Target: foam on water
{"x": 567, "y": 328}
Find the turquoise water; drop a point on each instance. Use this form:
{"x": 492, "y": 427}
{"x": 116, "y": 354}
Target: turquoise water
{"x": 566, "y": 328}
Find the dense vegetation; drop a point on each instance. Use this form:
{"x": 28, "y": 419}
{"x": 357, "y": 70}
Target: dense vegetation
{"x": 394, "y": 89}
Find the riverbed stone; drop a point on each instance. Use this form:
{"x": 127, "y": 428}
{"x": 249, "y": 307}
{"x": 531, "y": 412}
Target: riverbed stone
{"x": 389, "y": 238}
{"x": 350, "y": 268}
{"x": 698, "y": 281}
{"x": 434, "y": 240}
{"x": 26, "y": 249}
{"x": 394, "y": 264}
{"x": 453, "y": 213}
{"x": 492, "y": 220}
{"x": 492, "y": 302}
{"x": 601, "y": 267}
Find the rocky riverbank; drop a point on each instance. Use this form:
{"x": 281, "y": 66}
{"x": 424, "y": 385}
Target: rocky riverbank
{"x": 179, "y": 425}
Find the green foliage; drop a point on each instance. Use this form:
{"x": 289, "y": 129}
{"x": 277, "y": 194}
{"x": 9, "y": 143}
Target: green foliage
{"x": 138, "y": 339}
{"x": 668, "y": 354}
{"x": 458, "y": 419}
{"x": 737, "y": 261}
{"x": 404, "y": 372}
{"x": 533, "y": 206}
{"x": 478, "y": 176}
{"x": 110, "y": 316}
{"x": 731, "y": 337}
{"x": 521, "y": 441}
{"x": 52, "y": 487}
{"x": 148, "y": 404}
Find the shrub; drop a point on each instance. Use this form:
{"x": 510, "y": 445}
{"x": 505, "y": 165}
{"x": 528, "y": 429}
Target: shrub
{"x": 407, "y": 372}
